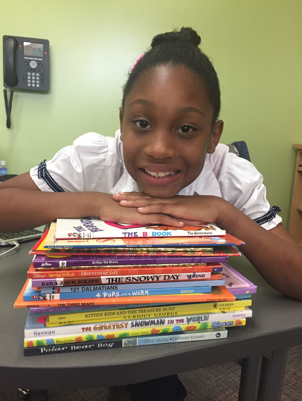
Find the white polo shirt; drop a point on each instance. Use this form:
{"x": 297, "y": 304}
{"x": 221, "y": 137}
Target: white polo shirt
{"x": 95, "y": 163}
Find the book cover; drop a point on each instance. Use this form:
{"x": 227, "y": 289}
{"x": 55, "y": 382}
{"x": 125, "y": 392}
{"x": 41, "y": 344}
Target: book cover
{"x": 217, "y": 294}
{"x": 80, "y": 337}
{"x": 96, "y": 228}
{"x": 142, "y": 278}
{"x": 37, "y": 328}
{"x": 145, "y": 312}
{"x": 169, "y": 338}
{"x": 138, "y": 242}
{"x": 236, "y": 282}
{"x": 114, "y": 271}
{"x": 129, "y": 287}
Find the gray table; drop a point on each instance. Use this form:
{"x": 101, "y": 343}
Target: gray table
{"x": 262, "y": 345}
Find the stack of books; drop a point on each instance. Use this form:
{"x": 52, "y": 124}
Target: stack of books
{"x": 95, "y": 285}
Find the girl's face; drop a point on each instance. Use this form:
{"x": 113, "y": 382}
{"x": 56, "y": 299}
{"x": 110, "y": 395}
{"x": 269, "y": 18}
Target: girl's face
{"x": 166, "y": 129}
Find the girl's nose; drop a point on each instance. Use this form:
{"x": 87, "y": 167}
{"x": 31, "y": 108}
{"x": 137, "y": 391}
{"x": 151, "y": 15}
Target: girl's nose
{"x": 161, "y": 145}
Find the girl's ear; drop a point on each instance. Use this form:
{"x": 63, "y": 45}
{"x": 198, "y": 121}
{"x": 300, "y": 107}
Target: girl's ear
{"x": 121, "y": 122}
{"x": 215, "y": 137}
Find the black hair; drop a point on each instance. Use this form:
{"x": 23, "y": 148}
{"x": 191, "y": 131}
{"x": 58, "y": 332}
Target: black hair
{"x": 179, "y": 48}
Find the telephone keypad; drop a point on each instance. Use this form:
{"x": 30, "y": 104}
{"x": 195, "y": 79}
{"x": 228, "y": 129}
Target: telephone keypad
{"x": 33, "y": 79}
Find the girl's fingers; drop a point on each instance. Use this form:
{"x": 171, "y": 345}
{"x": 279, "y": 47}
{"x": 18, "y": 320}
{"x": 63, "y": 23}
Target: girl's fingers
{"x": 130, "y": 196}
{"x": 135, "y": 203}
{"x": 192, "y": 222}
{"x": 164, "y": 219}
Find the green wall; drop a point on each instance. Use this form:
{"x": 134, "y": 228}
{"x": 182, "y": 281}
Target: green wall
{"x": 256, "y": 47}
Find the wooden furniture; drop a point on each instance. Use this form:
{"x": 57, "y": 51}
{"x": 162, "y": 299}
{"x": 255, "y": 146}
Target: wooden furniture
{"x": 261, "y": 344}
{"x": 295, "y": 221}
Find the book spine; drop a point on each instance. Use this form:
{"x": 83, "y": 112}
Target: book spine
{"x": 128, "y": 342}
{"x": 80, "y": 337}
{"x": 73, "y": 309}
{"x": 68, "y": 274}
{"x": 131, "y": 287}
{"x": 48, "y": 262}
{"x": 223, "y": 295}
{"x": 133, "y": 317}
{"x": 32, "y": 296}
{"x": 33, "y": 329}
{"x": 61, "y": 282}
{"x": 146, "y": 313}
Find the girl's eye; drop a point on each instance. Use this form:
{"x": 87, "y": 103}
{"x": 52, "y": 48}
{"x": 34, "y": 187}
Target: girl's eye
{"x": 186, "y": 129}
{"x": 141, "y": 124}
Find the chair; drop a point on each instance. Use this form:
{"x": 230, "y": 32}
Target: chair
{"x": 240, "y": 149}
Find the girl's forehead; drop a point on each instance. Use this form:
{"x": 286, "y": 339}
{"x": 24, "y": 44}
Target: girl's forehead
{"x": 166, "y": 83}
{"x": 165, "y": 74}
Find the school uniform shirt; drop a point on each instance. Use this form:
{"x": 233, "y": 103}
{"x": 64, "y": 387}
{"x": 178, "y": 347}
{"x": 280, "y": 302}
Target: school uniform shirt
{"x": 95, "y": 163}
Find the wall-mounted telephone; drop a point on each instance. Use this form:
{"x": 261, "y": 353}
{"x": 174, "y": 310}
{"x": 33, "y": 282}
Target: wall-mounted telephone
{"x": 25, "y": 63}
{"x": 25, "y": 66}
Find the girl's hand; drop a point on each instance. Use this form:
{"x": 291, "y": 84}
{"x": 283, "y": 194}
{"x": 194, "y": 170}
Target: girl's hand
{"x": 188, "y": 209}
{"x": 107, "y": 209}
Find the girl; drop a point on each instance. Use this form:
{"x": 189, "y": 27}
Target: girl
{"x": 164, "y": 166}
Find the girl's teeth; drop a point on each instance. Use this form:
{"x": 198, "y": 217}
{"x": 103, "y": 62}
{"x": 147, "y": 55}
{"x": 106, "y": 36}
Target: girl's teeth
{"x": 159, "y": 175}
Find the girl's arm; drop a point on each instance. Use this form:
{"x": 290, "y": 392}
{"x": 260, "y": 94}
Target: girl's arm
{"x": 274, "y": 253}
{"x": 276, "y": 256}
{"x": 24, "y": 206}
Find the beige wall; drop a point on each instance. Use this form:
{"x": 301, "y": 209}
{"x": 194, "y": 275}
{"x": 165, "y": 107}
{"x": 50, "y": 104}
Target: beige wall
{"x": 254, "y": 45}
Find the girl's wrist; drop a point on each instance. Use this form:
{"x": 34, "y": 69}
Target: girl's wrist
{"x": 227, "y": 214}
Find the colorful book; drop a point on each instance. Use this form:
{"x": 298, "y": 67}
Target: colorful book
{"x": 35, "y": 327}
{"x": 46, "y": 262}
{"x": 236, "y": 282}
{"x": 32, "y": 295}
{"x": 141, "y": 242}
{"x": 169, "y": 338}
{"x": 72, "y": 309}
{"x": 80, "y": 337}
{"x": 145, "y": 313}
{"x": 96, "y": 228}
{"x": 126, "y": 246}
{"x": 217, "y": 294}
{"x": 141, "y": 278}
{"x": 121, "y": 271}
{"x": 130, "y": 287}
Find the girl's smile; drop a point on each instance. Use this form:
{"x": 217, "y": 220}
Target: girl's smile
{"x": 166, "y": 129}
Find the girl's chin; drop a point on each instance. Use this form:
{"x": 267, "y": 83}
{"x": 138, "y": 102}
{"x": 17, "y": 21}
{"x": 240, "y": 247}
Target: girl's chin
{"x": 161, "y": 192}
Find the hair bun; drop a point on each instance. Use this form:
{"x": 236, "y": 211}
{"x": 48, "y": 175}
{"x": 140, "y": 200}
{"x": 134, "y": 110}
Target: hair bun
{"x": 185, "y": 35}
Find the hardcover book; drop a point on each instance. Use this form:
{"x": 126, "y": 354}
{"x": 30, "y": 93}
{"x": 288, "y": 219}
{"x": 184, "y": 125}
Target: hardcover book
{"x": 146, "y": 312}
{"x": 35, "y": 295}
{"x": 49, "y": 339}
{"x": 134, "y": 285}
{"x": 96, "y": 228}
{"x": 218, "y": 294}
{"x": 42, "y": 261}
{"x": 36, "y": 328}
{"x": 184, "y": 278}
{"x": 105, "y": 244}
{"x": 168, "y": 338}
{"x": 117, "y": 271}
{"x": 236, "y": 282}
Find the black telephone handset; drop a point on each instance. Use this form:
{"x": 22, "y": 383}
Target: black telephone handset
{"x": 9, "y": 60}
{"x": 25, "y": 63}
{"x": 25, "y": 66}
